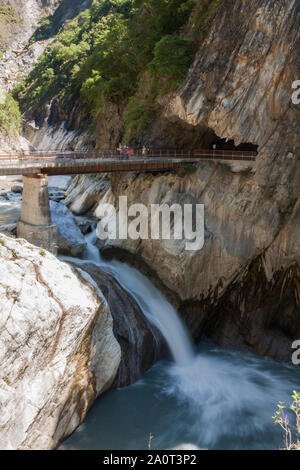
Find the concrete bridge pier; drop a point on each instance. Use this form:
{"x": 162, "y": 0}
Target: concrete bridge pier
{"x": 35, "y": 224}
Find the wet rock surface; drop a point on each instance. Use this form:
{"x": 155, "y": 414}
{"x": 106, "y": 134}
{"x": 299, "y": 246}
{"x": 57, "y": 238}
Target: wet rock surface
{"x": 258, "y": 315}
{"x": 85, "y": 224}
{"x": 18, "y": 189}
{"x": 70, "y": 239}
{"x": 9, "y": 229}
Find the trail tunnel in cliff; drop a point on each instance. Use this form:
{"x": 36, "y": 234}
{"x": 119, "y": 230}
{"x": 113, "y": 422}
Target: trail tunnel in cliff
{"x": 178, "y": 134}
{"x": 222, "y": 144}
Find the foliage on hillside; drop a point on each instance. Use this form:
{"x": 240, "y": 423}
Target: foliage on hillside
{"x": 10, "y": 116}
{"x": 103, "y": 54}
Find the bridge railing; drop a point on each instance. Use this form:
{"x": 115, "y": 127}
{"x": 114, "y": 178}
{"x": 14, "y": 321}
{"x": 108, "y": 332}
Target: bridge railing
{"x": 213, "y": 154}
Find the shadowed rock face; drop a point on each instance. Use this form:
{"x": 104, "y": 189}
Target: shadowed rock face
{"x": 253, "y": 314}
{"x": 139, "y": 340}
{"x": 260, "y": 315}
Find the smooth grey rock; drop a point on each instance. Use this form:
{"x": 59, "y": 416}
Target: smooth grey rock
{"x": 17, "y": 189}
{"x": 56, "y": 195}
{"x": 70, "y": 239}
{"x": 9, "y": 229}
{"x": 85, "y": 224}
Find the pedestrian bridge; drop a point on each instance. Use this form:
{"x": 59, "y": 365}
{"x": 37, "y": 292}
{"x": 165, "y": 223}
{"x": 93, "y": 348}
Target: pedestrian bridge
{"x": 36, "y": 225}
{"x": 62, "y": 162}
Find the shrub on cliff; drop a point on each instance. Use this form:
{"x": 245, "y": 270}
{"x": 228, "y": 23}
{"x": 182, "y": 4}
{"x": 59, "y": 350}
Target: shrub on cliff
{"x": 10, "y": 116}
{"x": 172, "y": 58}
{"x": 291, "y": 434}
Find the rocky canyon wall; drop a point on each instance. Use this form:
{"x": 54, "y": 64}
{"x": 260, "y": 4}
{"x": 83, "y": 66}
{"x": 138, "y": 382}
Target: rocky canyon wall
{"x": 239, "y": 90}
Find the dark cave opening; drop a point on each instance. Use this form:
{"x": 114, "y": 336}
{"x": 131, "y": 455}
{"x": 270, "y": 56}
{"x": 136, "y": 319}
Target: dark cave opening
{"x": 182, "y": 136}
{"x": 222, "y": 144}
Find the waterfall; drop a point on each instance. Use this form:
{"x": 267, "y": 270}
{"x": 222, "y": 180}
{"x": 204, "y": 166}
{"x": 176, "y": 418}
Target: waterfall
{"x": 152, "y": 302}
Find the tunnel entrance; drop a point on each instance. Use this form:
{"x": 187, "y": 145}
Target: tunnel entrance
{"x": 178, "y": 134}
{"x": 222, "y": 144}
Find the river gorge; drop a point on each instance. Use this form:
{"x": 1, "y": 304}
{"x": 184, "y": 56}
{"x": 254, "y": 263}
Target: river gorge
{"x": 197, "y": 396}
{"x": 126, "y": 343}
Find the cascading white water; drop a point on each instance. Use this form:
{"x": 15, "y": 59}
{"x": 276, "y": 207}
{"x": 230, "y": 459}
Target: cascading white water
{"x": 213, "y": 398}
{"x": 151, "y": 301}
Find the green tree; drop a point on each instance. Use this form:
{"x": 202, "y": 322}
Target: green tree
{"x": 172, "y": 58}
{"x": 10, "y": 116}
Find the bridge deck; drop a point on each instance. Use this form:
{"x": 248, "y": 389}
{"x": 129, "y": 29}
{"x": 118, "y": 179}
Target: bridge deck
{"x": 60, "y": 163}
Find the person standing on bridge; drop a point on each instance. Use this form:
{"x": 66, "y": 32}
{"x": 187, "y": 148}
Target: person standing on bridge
{"x": 126, "y": 153}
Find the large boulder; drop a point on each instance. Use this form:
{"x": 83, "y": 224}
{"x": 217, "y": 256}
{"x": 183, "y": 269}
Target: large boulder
{"x": 8, "y": 229}
{"x": 58, "y": 352}
{"x": 18, "y": 189}
{"x": 70, "y": 239}
{"x": 85, "y": 192}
